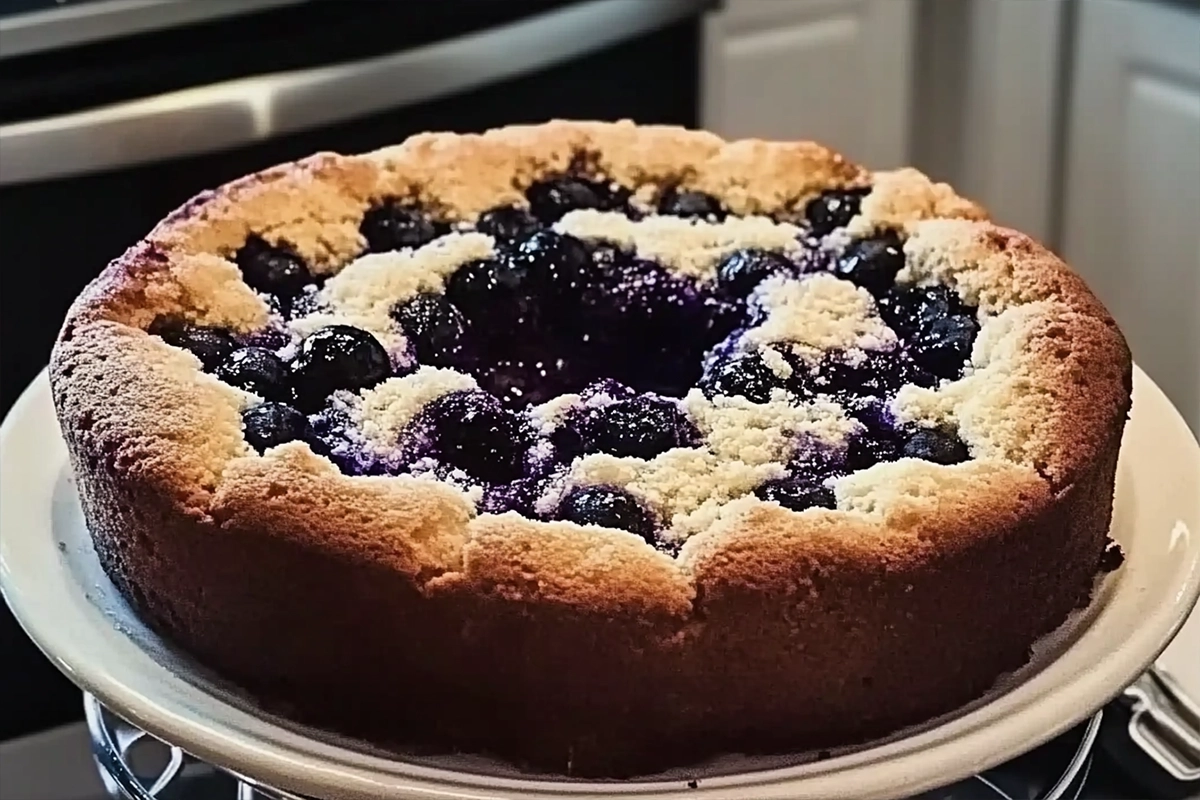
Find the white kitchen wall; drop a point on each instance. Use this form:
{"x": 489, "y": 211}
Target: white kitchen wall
{"x": 836, "y": 71}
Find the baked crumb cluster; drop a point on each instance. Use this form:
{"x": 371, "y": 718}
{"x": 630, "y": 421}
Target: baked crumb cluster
{"x": 634, "y": 360}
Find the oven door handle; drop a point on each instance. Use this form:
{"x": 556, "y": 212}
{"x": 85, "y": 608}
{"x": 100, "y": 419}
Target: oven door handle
{"x": 248, "y": 110}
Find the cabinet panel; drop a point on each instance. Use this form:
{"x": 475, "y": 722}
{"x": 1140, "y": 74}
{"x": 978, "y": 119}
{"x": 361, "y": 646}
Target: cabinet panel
{"x": 836, "y": 71}
{"x": 1132, "y": 200}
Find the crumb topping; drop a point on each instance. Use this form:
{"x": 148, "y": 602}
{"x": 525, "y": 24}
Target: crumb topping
{"x": 690, "y": 247}
{"x": 818, "y": 313}
{"x": 365, "y": 291}
{"x": 385, "y": 410}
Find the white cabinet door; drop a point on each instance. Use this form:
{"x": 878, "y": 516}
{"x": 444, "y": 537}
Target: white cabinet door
{"x": 1131, "y": 219}
{"x": 836, "y": 71}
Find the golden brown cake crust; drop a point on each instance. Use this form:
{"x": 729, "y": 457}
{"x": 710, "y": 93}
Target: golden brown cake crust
{"x": 386, "y": 607}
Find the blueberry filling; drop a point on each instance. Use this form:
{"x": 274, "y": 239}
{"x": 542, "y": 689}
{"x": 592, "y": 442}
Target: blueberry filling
{"x": 937, "y": 446}
{"x": 944, "y": 345}
{"x": 437, "y": 330}
{"x": 258, "y": 371}
{"x": 472, "y": 431}
{"x": 393, "y": 226}
{"x": 742, "y": 375}
{"x": 277, "y": 271}
{"x": 797, "y": 493}
{"x": 337, "y": 357}
{"x": 875, "y": 373}
{"x": 552, "y": 315}
{"x": 833, "y": 209}
{"x": 210, "y": 345}
{"x": 639, "y": 427}
{"x": 607, "y": 507}
{"x": 550, "y": 200}
{"x": 873, "y": 263}
{"x": 681, "y": 203}
{"x": 742, "y": 270}
{"x": 909, "y": 309}
{"x": 507, "y": 223}
{"x": 270, "y": 424}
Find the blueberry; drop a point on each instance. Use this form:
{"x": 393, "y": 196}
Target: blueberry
{"x": 742, "y": 270}
{"x": 682, "y": 203}
{"x": 872, "y": 263}
{"x": 277, "y": 271}
{"x": 944, "y": 346}
{"x": 609, "y": 508}
{"x": 469, "y": 288}
{"x": 507, "y": 223}
{"x": 869, "y": 448}
{"x": 940, "y": 447}
{"x": 337, "y": 357}
{"x": 305, "y": 303}
{"x": 256, "y": 370}
{"x": 797, "y": 493}
{"x": 551, "y": 259}
{"x": 641, "y": 427}
{"x": 609, "y": 388}
{"x": 210, "y": 345}
{"x": 833, "y": 209}
{"x": 875, "y": 373}
{"x": 392, "y": 226}
{"x": 910, "y": 309}
{"x": 551, "y": 199}
{"x": 269, "y": 424}
{"x": 745, "y": 375}
{"x": 472, "y": 431}
{"x": 436, "y": 328}
{"x": 496, "y": 295}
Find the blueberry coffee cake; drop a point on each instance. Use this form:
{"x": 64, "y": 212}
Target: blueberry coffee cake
{"x": 598, "y": 447}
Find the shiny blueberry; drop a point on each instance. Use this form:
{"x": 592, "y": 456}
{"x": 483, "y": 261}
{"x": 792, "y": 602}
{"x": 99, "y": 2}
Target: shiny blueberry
{"x": 872, "y": 263}
{"x": 870, "y": 448}
{"x": 337, "y": 357}
{"x": 549, "y": 258}
{"x": 742, "y": 270}
{"x": 937, "y": 446}
{"x": 833, "y": 209}
{"x": 682, "y": 203}
{"x": 640, "y": 427}
{"x": 436, "y": 328}
{"x": 270, "y": 424}
{"x": 742, "y": 375}
{"x": 392, "y": 226}
{"x": 210, "y": 345}
{"x": 277, "y": 271}
{"x": 797, "y": 493}
{"x": 258, "y": 371}
{"x": 607, "y": 387}
{"x": 944, "y": 346}
{"x": 871, "y": 373}
{"x": 472, "y": 431}
{"x": 497, "y": 295}
{"x": 609, "y": 508}
{"x": 469, "y": 288}
{"x": 551, "y": 199}
{"x": 507, "y": 223}
{"x": 910, "y": 309}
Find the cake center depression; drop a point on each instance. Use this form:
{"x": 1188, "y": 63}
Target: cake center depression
{"x": 630, "y": 360}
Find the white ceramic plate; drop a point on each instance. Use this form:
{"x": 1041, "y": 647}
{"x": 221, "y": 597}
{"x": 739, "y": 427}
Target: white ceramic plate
{"x": 55, "y": 588}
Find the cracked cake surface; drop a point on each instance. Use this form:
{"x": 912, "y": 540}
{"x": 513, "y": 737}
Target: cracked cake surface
{"x": 600, "y": 447}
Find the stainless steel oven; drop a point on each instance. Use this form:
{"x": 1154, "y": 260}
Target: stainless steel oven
{"x": 112, "y": 112}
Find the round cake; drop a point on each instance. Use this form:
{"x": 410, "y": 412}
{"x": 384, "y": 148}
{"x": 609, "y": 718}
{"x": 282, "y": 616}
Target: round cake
{"x": 601, "y": 448}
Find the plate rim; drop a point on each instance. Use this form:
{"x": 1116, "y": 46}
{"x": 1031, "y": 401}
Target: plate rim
{"x": 302, "y": 772}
